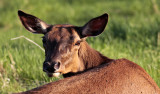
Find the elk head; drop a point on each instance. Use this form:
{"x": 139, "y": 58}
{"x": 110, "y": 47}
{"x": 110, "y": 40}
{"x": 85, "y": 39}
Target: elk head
{"x": 62, "y": 42}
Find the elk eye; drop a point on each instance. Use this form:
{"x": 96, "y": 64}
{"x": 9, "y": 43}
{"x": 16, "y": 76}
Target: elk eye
{"x": 78, "y": 43}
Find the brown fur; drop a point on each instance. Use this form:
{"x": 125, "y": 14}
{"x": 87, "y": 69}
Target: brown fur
{"x": 117, "y": 77}
{"x": 89, "y": 58}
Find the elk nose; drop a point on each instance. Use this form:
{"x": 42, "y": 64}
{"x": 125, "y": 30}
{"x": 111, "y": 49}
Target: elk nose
{"x": 51, "y": 67}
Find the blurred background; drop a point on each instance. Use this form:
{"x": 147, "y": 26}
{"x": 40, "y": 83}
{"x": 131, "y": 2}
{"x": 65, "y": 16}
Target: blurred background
{"x": 132, "y": 33}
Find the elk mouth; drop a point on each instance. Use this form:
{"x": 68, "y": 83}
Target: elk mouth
{"x": 51, "y": 69}
{"x": 56, "y": 74}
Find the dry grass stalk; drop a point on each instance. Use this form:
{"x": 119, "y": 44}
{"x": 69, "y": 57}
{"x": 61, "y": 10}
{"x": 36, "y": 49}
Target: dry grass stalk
{"x": 158, "y": 40}
{"x": 12, "y": 64}
{"x": 3, "y": 79}
{"x": 29, "y": 41}
{"x": 155, "y": 6}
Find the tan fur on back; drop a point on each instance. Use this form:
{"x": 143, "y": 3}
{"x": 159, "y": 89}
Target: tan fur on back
{"x": 117, "y": 77}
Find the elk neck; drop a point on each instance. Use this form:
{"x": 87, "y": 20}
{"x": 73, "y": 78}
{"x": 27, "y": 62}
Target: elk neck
{"x": 91, "y": 58}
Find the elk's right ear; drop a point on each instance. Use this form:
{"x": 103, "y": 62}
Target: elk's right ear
{"x": 95, "y": 26}
{"x": 32, "y": 23}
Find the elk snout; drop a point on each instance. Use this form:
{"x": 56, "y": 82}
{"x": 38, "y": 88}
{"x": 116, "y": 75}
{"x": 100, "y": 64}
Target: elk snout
{"x": 51, "y": 67}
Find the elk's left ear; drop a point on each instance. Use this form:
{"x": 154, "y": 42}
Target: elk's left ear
{"x": 95, "y": 26}
{"x": 32, "y": 23}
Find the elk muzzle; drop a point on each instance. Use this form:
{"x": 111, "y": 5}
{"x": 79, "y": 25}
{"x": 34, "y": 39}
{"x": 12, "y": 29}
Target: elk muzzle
{"x": 51, "y": 68}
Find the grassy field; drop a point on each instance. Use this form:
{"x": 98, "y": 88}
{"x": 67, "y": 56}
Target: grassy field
{"x": 132, "y": 33}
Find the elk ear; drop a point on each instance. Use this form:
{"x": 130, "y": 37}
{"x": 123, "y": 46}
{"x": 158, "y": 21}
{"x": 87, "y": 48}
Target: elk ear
{"x": 95, "y": 26}
{"x": 32, "y": 23}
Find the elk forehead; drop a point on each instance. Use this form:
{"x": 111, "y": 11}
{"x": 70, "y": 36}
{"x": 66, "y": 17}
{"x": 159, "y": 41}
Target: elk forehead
{"x": 63, "y": 33}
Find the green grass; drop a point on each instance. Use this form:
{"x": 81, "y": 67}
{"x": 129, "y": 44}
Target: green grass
{"x": 131, "y": 33}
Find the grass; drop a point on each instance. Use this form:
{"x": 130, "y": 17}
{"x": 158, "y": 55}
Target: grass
{"x": 131, "y": 33}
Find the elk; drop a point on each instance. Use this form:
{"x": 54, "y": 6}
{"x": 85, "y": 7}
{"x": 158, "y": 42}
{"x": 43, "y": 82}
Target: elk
{"x": 85, "y": 69}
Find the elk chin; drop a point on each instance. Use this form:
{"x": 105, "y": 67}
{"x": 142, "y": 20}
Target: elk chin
{"x": 57, "y": 74}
